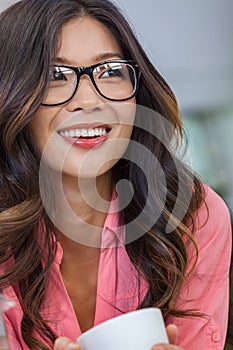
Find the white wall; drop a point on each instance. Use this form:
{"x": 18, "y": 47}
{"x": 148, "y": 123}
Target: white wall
{"x": 191, "y": 44}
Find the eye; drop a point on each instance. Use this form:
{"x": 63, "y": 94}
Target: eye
{"x": 58, "y": 74}
{"x": 110, "y": 70}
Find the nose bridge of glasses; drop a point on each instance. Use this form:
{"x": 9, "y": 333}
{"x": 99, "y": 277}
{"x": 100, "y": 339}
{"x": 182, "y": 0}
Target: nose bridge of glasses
{"x": 82, "y": 72}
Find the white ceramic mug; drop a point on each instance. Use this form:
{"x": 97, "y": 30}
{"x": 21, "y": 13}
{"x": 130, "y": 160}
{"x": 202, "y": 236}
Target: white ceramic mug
{"x": 136, "y": 330}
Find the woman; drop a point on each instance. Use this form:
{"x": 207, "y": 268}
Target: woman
{"x": 98, "y": 215}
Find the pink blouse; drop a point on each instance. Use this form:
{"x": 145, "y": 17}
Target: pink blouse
{"x": 120, "y": 289}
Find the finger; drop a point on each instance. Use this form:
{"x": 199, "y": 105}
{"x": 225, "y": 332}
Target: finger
{"x": 64, "y": 343}
{"x": 172, "y": 332}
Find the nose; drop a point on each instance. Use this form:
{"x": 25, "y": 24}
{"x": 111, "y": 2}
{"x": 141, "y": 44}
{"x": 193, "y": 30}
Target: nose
{"x": 86, "y": 97}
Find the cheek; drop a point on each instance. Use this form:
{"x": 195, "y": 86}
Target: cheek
{"x": 114, "y": 150}
{"x": 39, "y": 135}
{"x": 129, "y": 111}
{"x": 128, "y": 118}
{"x": 40, "y": 126}
{"x": 125, "y": 112}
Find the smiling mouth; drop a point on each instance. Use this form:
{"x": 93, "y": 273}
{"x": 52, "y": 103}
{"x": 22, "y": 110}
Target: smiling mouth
{"x": 84, "y": 133}
{"x": 86, "y": 137}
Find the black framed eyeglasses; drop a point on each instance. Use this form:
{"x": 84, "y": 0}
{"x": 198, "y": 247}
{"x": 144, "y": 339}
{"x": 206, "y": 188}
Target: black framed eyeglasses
{"x": 115, "y": 80}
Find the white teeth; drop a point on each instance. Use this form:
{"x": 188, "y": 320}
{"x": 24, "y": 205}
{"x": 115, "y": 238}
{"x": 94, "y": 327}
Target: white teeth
{"x": 84, "y": 132}
{"x": 91, "y": 132}
{"x": 77, "y": 133}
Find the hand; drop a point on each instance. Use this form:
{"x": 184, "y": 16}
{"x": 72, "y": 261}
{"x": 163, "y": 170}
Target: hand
{"x": 172, "y": 333}
{"x": 64, "y": 343}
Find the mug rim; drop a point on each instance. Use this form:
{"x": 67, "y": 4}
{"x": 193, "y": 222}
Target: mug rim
{"x": 115, "y": 319}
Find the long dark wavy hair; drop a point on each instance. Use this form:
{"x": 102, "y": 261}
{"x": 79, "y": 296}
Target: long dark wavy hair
{"x": 29, "y": 39}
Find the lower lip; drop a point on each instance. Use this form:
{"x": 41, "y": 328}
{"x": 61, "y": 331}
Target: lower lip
{"x": 87, "y": 143}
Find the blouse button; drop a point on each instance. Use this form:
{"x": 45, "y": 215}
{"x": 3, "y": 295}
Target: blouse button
{"x": 216, "y": 336}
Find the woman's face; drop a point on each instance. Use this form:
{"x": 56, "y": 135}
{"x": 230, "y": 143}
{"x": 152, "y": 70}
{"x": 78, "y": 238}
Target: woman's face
{"x": 84, "y": 42}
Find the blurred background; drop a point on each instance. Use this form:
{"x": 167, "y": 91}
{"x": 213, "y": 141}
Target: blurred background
{"x": 190, "y": 43}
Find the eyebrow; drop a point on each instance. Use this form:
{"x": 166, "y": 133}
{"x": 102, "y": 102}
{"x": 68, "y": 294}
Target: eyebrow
{"x": 98, "y": 58}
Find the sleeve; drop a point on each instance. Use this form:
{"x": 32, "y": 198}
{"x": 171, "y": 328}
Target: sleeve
{"x": 12, "y": 321}
{"x": 12, "y": 337}
{"x": 206, "y": 290}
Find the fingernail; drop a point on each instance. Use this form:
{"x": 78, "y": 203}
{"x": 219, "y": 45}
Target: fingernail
{"x": 157, "y": 348}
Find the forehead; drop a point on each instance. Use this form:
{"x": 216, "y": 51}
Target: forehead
{"x": 85, "y": 39}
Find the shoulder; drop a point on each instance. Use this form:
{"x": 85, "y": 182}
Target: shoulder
{"x": 213, "y": 215}
{"x": 214, "y": 201}
{"x": 213, "y": 233}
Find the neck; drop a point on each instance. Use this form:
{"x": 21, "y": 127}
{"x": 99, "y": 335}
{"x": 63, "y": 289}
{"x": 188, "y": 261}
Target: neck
{"x": 81, "y": 207}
